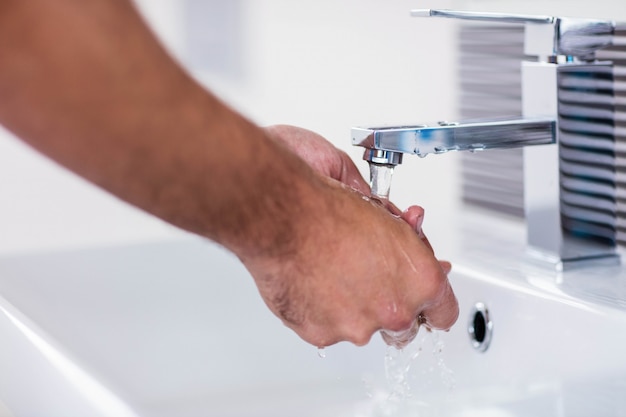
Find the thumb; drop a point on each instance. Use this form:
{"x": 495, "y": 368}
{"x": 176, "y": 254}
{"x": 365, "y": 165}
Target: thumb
{"x": 414, "y": 216}
{"x": 349, "y": 174}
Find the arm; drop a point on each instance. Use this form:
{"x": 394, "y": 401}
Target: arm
{"x": 88, "y": 85}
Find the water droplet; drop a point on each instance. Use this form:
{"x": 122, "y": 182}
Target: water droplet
{"x": 321, "y": 352}
{"x": 446, "y": 123}
{"x": 477, "y": 147}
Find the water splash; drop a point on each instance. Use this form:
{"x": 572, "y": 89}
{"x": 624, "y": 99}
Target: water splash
{"x": 447, "y": 375}
{"x": 405, "y": 367}
{"x": 397, "y": 366}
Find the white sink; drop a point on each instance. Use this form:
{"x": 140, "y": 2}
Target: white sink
{"x": 178, "y": 329}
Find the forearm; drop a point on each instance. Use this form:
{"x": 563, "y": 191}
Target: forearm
{"x": 160, "y": 142}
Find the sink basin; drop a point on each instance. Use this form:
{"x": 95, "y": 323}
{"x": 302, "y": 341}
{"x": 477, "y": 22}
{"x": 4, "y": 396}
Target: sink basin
{"x": 177, "y": 329}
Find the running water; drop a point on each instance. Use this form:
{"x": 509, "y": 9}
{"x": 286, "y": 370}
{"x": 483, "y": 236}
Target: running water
{"x": 398, "y": 364}
{"x": 447, "y": 375}
{"x": 403, "y": 369}
{"x": 380, "y": 181}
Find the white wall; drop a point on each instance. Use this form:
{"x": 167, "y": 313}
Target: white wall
{"x": 326, "y": 65}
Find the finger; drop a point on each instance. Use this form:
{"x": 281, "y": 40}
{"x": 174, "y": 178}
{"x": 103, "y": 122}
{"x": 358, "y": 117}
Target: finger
{"x": 349, "y": 174}
{"x": 446, "y": 266}
{"x": 414, "y": 216}
{"x": 358, "y": 332}
{"x": 388, "y": 205}
{"x": 443, "y": 314}
{"x": 399, "y": 339}
{"x": 426, "y": 242}
{"x": 393, "y": 209}
{"x": 319, "y": 154}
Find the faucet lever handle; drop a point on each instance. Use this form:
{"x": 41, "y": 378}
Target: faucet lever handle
{"x": 546, "y": 35}
{"x": 483, "y": 16}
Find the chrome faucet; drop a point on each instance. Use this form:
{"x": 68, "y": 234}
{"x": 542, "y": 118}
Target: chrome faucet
{"x": 562, "y": 46}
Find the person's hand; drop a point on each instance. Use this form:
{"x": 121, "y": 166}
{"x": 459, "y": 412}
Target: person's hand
{"x": 320, "y": 154}
{"x": 333, "y": 163}
{"x": 355, "y": 269}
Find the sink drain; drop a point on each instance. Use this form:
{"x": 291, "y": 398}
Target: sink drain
{"x": 480, "y": 327}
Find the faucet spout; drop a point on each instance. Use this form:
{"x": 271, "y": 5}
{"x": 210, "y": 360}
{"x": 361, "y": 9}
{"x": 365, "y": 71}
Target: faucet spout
{"x": 443, "y": 137}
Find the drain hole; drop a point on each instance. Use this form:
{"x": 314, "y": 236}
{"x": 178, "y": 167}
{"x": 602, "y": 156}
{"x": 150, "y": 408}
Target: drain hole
{"x": 480, "y": 327}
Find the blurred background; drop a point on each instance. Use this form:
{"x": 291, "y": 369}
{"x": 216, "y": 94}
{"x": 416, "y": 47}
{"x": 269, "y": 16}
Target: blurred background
{"x": 326, "y": 65}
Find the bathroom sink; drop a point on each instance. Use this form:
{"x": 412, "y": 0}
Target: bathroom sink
{"x": 177, "y": 329}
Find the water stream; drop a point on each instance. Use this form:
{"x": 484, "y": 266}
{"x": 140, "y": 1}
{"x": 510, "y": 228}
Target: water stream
{"x": 398, "y": 399}
{"x": 380, "y": 181}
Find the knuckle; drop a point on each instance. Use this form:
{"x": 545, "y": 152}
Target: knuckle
{"x": 358, "y": 331}
{"x": 316, "y": 337}
{"x": 400, "y": 319}
{"x": 360, "y": 338}
{"x": 444, "y": 315}
{"x": 433, "y": 286}
{"x": 399, "y": 325}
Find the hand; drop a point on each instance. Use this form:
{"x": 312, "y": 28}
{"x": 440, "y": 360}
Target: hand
{"x": 331, "y": 162}
{"x": 355, "y": 269}
{"x": 320, "y": 154}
